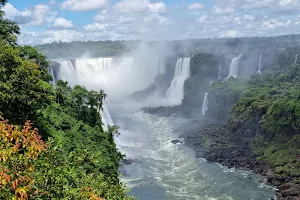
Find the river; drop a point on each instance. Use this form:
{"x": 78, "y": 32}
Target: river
{"x": 167, "y": 171}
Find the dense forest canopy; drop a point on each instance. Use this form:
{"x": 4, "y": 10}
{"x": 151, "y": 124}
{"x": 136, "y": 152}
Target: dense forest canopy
{"x": 62, "y": 151}
{"x": 77, "y": 49}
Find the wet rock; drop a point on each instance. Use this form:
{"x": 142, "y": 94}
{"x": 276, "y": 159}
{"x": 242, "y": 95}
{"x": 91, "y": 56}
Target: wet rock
{"x": 270, "y": 175}
{"x": 129, "y": 161}
{"x": 276, "y": 183}
{"x": 176, "y": 142}
{"x": 291, "y": 192}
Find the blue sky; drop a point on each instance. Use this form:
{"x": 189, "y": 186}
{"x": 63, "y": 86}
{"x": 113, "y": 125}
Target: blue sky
{"x": 45, "y": 21}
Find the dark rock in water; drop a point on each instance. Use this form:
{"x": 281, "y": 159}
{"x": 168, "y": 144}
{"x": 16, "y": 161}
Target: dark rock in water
{"x": 176, "y": 141}
{"x": 270, "y": 175}
{"x": 291, "y": 192}
{"x": 129, "y": 161}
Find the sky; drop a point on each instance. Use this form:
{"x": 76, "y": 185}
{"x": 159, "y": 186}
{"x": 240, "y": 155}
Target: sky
{"x": 46, "y": 21}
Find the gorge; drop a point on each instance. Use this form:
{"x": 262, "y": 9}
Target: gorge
{"x": 161, "y": 169}
{"x": 149, "y": 113}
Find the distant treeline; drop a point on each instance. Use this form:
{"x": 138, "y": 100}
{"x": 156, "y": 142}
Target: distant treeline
{"x": 190, "y": 47}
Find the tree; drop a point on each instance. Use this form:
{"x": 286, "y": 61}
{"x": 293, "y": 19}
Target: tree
{"x": 22, "y": 91}
{"x": 62, "y": 91}
{"x": 9, "y": 30}
{"x": 30, "y": 53}
{"x": 18, "y": 154}
{"x": 79, "y": 97}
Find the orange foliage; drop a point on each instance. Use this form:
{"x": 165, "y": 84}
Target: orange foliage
{"x": 18, "y": 151}
{"x": 89, "y": 194}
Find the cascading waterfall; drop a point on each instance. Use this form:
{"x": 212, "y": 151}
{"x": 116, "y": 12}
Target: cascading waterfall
{"x": 163, "y": 168}
{"x": 220, "y": 71}
{"x": 296, "y": 59}
{"x": 80, "y": 75}
{"x": 92, "y": 68}
{"x": 67, "y": 72}
{"x": 106, "y": 118}
{"x": 204, "y": 108}
{"x": 50, "y": 70}
{"x": 116, "y": 76}
{"x": 234, "y": 67}
{"x": 175, "y": 93}
{"x": 160, "y": 69}
{"x": 259, "y": 64}
{"x": 161, "y": 65}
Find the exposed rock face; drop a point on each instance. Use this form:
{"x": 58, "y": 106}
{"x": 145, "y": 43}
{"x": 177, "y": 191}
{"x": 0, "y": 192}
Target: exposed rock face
{"x": 161, "y": 82}
{"x": 216, "y": 143}
{"x": 204, "y": 69}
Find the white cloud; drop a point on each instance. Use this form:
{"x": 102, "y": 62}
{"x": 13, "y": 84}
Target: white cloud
{"x": 157, "y": 7}
{"x": 222, "y": 10}
{"x": 139, "y": 6}
{"x": 285, "y": 2}
{"x": 83, "y": 5}
{"x": 10, "y": 10}
{"x": 157, "y": 19}
{"x": 50, "y": 36}
{"x": 195, "y": 6}
{"x": 62, "y": 23}
{"x": 230, "y": 33}
{"x": 38, "y": 15}
{"x": 95, "y": 27}
{"x": 153, "y": 20}
{"x": 52, "y": 2}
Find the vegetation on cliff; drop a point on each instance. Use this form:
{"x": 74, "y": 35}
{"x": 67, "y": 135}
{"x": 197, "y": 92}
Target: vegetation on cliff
{"x": 272, "y": 105}
{"x": 267, "y": 108}
{"x": 70, "y": 155}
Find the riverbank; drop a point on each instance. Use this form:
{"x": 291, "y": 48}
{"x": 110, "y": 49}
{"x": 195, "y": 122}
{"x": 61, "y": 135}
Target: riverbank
{"x": 214, "y": 142}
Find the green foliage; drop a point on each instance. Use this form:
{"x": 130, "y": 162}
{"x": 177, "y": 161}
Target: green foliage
{"x": 9, "y": 30}
{"x": 273, "y": 98}
{"x": 91, "y": 48}
{"x": 205, "y": 64}
{"x": 81, "y": 156}
{"x": 223, "y": 95}
{"x": 30, "y": 53}
{"x": 82, "y": 104}
{"x": 82, "y": 160}
{"x": 281, "y": 151}
{"x": 22, "y": 91}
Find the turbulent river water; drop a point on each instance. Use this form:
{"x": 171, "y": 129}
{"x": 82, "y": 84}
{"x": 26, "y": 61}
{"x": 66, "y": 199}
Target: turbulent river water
{"x": 163, "y": 171}
{"x": 167, "y": 171}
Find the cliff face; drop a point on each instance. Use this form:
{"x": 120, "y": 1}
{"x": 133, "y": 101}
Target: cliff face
{"x": 262, "y": 128}
{"x": 204, "y": 69}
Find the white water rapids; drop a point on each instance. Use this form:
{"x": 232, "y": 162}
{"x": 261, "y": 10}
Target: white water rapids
{"x": 163, "y": 171}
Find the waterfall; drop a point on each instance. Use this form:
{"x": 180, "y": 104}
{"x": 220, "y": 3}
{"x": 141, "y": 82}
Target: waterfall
{"x": 259, "y": 64}
{"x": 204, "y": 108}
{"x": 80, "y": 74}
{"x": 67, "y": 72}
{"x": 118, "y": 77}
{"x": 95, "y": 65}
{"x": 220, "y": 71}
{"x": 175, "y": 93}
{"x": 83, "y": 70}
{"x": 50, "y": 70}
{"x": 234, "y": 67}
{"x": 106, "y": 118}
{"x": 160, "y": 68}
{"x": 296, "y": 59}
{"x": 92, "y": 68}
{"x": 161, "y": 65}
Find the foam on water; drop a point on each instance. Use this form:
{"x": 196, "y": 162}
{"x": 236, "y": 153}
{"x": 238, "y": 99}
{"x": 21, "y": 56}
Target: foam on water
{"x": 181, "y": 175}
